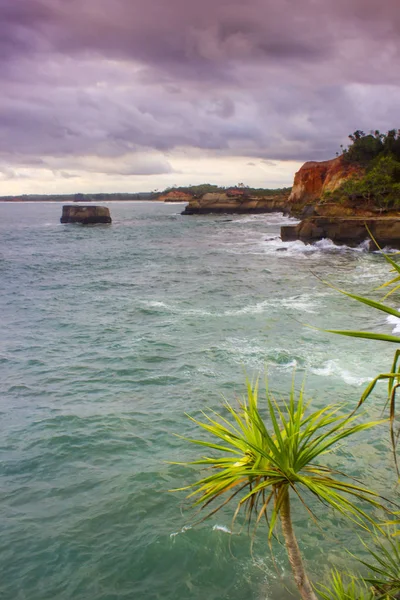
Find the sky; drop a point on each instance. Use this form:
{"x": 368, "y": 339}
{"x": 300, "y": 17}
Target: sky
{"x": 138, "y": 95}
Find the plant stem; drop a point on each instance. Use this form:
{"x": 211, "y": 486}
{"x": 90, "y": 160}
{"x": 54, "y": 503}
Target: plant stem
{"x": 293, "y": 550}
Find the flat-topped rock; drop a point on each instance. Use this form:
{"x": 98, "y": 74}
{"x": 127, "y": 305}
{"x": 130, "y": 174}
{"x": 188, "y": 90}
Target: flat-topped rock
{"x": 235, "y": 203}
{"x": 87, "y": 215}
{"x": 351, "y": 231}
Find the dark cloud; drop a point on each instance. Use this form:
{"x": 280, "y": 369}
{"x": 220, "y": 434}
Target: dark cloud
{"x": 269, "y": 79}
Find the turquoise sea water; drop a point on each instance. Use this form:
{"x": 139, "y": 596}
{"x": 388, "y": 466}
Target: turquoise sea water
{"x": 108, "y": 335}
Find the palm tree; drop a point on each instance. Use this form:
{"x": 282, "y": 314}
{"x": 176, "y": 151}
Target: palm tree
{"x": 263, "y": 466}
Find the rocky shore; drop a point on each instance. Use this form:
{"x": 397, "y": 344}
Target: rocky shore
{"x": 343, "y": 222}
{"x": 235, "y": 202}
{"x": 351, "y": 231}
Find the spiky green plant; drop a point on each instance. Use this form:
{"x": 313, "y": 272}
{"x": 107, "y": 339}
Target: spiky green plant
{"x": 392, "y": 376}
{"x": 384, "y": 565}
{"x": 262, "y": 465}
{"x": 345, "y": 587}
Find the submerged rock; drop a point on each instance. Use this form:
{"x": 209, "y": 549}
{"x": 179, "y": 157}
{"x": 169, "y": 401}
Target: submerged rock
{"x": 87, "y": 215}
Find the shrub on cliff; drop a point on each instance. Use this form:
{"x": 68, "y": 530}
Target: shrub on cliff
{"x": 380, "y": 185}
{"x": 365, "y": 148}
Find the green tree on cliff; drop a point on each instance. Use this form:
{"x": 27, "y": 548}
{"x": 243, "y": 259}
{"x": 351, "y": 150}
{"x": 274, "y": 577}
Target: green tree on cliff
{"x": 365, "y": 148}
{"x": 378, "y": 156}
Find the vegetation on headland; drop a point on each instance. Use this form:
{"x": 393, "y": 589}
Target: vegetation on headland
{"x": 365, "y": 148}
{"x": 378, "y": 181}
{"x": 208, "y": 188}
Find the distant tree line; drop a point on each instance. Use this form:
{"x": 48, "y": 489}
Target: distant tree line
{"x": 193, "y": 190}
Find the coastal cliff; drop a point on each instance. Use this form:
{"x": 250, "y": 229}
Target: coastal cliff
{"x": 344, "y": 216}
{"x": 310, "y": 183}
{"x": 175, "y": 196}
{"x": 316, "y": 178}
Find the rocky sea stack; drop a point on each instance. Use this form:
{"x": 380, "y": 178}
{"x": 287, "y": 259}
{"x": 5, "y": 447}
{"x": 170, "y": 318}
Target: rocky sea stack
{"x": 86, "y": 215}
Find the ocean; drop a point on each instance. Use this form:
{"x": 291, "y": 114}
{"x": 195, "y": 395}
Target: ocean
{"x": 109, "y": 335}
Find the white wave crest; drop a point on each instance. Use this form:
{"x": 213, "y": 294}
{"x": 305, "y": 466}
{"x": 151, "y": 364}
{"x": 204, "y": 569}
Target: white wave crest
{"x": 222, "y": 528}
{"x": 302, "y": 303}
{"x": 183, "y": 530}
{"x": 392, "y": 320}
{"x": 298, "y": 249}
{"x": 331, "y": 367}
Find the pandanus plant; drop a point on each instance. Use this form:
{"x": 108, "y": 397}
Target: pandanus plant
{"x": 384, "y": 565}
{"x": 345, "y": 587}
{"x": 380, "y": 582}
{"x": 392, "y": 376}
{"x": 263, "y": 462}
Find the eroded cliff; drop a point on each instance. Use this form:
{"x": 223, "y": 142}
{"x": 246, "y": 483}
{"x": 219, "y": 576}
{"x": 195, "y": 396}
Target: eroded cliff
{"x": 316, "y": 178}
{"x": 175, "y": 196}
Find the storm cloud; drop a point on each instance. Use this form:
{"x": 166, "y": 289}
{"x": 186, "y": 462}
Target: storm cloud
{"x": 129, "y": 87}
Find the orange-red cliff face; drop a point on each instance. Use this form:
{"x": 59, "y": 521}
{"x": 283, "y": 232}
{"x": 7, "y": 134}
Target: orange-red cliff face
{"x": 315, "y": 178}
{"x": 175, "y": 196}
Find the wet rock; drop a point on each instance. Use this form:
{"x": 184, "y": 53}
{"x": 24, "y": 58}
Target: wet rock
{"x": 87, "y": 215}
{"x": 351, "y": 231}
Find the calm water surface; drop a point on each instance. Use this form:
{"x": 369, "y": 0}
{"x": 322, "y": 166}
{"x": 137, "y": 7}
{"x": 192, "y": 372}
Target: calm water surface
{"x": 108, "y": 335}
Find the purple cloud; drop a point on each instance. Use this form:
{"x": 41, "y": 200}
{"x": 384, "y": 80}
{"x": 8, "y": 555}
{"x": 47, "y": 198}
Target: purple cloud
{"x": 272, "y": 80}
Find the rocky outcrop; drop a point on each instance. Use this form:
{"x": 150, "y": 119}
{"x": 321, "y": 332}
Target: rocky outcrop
{"x": 87, "y": 215}
{"x": 175, "y": 196}
{"x": 351, "y": 231}
{"x": 343, "y": 222}
{"x": 231, "y": 203}
{"x": 316, "y": 178}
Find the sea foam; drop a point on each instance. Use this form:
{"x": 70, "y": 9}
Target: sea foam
{"x": 392, "y": 320}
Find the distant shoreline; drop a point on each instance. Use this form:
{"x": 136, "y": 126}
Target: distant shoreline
{"x": 52, "y": 201}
